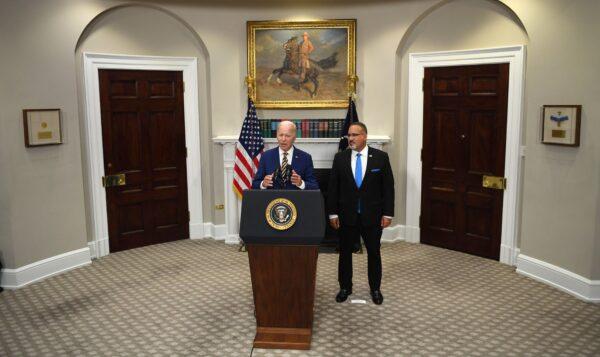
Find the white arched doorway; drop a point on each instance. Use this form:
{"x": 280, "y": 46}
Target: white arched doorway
{"x": 418, "y": 62}
{"x": 141, "y": 37}
{"x": 489, "y": 32}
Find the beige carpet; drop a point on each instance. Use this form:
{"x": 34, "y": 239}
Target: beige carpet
{"x": 195, "y": 298}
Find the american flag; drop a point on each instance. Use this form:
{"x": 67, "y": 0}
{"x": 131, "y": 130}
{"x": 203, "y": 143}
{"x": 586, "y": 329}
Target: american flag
{"x": 248, "y": 149}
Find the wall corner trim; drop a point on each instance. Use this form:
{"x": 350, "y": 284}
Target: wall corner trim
{"x": 560, "y": 278}
{"x": 31, "y": 273}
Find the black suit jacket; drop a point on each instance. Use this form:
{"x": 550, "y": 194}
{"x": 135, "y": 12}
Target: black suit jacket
{"x": 376, "y": 193}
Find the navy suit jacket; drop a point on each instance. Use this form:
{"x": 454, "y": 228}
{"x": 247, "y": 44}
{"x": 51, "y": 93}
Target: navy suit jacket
{"x": 301, "y": 163}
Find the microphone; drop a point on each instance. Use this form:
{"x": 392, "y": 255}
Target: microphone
{"x": 276, "y": 177}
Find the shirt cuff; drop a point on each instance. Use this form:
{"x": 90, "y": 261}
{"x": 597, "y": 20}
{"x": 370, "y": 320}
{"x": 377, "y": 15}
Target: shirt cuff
{"x": 388, "y": 217}
{"x": 332, "y": 216}
{"x": 262, "y": 187}
{"x": 303, "y": 185}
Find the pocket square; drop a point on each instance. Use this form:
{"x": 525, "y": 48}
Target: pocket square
{"x": 375, "y": 170}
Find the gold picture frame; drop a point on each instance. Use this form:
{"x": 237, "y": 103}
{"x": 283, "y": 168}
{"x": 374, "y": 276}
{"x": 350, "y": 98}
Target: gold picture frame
{"x": 561, "y": 124}
{"x": 42, "y": 127}
{"x": 301, "y": 64}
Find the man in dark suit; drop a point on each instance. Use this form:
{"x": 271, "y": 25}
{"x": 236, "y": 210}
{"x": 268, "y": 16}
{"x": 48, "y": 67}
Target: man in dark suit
{"x": 285, "y": 167}
{"x": 360, "y": 203}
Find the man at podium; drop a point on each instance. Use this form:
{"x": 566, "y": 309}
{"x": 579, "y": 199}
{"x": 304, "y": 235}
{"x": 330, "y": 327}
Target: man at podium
{"x": 285, "y": 167}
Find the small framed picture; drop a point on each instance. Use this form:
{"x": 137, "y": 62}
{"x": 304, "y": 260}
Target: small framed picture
{"x": 561, "y": 124}
{"x": 42, "y": 127}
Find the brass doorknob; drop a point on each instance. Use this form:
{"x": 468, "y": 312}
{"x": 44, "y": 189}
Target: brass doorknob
{"x": 495, "y": 182}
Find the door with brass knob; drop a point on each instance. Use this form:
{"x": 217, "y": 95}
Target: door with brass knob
{"x": 464, "y": 138}
{"x": 143, "y": 137}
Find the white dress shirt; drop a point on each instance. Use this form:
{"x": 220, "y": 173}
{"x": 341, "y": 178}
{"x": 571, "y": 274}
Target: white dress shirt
{"x": 290, "y": 157}
{"x": 364, "y": 157}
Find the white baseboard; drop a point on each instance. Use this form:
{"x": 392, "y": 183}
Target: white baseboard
{"x": 508, "y": 255}
{"x": 197, "y": 230}
{"x": 219, "y": 232}
{"x": 93, "y": 250}
{"x": 412, "y": 234}
{"x": 17, "y": 278}
{"x": 393, "y": 234}
{"x": 562, "y": 279}
{"x": 516, "y": 252}
{"x": 98, "y": 248}
{"x": 210, "y": 230}
{"x": 233, "y": 239}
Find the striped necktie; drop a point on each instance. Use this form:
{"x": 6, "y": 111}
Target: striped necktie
{"x": 284, "y": 168}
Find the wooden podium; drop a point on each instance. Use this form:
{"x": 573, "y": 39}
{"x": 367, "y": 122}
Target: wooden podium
{"x": 283, "y": 263}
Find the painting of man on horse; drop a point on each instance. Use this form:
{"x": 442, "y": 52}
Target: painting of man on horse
{"x": 301, "y": 64}
{"x": 297, "y": 62}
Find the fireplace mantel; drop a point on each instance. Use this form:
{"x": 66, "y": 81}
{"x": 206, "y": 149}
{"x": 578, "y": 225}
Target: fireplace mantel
{"x": 322, "y": 151}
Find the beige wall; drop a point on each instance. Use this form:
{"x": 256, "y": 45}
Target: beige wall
{"x": 596, "y": 258}
{"x": 6, "y": 248}
{"x": 561, "y": 185}
{"x": 45, "y": 214}
{"x": 42, "y": 189}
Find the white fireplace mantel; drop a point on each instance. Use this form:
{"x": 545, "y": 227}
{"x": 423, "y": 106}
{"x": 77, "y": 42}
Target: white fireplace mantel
{"x": 322, "y": 151}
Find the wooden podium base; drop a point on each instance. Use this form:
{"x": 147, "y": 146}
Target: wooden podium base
{"x": 283, "y": 338}
{"x": 283, "y": 283}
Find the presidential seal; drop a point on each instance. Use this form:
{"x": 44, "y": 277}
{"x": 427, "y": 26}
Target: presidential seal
{"x": 281, "y": 214}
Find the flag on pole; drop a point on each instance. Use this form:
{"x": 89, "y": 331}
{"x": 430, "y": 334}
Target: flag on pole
{"x": 248, "y": 150}
{"x": 351, "y": 117}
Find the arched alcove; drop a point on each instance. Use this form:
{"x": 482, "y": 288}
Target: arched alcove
{"x": 462, "y": 24}
{"x": 455, "y": 25}
{"x": 146, "y": 37}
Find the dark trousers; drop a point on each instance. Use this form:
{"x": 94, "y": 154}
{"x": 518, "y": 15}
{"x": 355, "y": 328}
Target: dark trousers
{"x": 372, "y": 237}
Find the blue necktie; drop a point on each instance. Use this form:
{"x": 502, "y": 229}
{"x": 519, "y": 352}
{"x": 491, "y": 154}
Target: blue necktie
{"x": 358, "y": 175}
{"x": 358, "y": 171}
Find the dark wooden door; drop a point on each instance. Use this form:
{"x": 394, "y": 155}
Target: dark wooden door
{"x": 464, "y": 136}
{"x": 143, "y": 134}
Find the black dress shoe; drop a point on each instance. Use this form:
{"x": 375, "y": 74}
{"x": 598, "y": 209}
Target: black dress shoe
{"x": 377, "y": 297}
{"x": 343, "y": 294}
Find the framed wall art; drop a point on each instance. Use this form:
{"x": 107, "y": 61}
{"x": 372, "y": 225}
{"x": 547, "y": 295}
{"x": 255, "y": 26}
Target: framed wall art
{"x": 305, "y": 64}
{"x": 42, "y": 127}
{"x": 561, "y": 124}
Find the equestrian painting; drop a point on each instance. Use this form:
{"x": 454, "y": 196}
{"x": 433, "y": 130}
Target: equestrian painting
{"x": 301, "y": 64}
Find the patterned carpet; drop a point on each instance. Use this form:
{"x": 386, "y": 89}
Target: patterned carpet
{"x": 195, "y": 298}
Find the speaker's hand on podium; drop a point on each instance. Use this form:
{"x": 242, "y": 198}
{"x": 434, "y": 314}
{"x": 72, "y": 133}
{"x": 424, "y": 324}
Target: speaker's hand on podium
{"x": 335, "y": 223}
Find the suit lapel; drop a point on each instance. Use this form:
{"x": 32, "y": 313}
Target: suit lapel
{"x": 296, "y": 160}
{"x": 348, "y": 164}
{"x": 276, "y": 163}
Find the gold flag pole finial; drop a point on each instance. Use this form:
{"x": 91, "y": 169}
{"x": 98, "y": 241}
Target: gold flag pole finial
{"x": 250, "y": 83}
